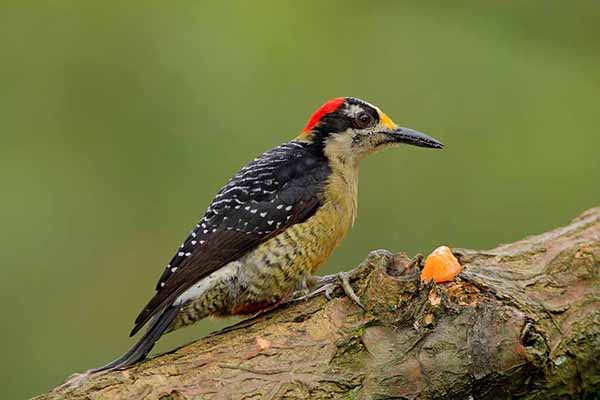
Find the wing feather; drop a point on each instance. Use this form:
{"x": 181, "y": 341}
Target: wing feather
{"x": 280, "y": 188}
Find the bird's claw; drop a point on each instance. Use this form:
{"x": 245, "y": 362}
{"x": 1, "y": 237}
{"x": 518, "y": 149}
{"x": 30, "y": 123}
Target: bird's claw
{"x": 343, "y": 277}
{"x": 326, "y": 284}
{"x": 325, "y": 289}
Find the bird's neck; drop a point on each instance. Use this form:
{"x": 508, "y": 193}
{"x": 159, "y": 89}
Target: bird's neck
{"x": 343, "y": 192}
{"x": 340, "y": 195}
{"x": 342, "y": 188}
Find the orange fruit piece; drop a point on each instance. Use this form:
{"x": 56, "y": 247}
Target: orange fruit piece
{"x": 441, "y": 266}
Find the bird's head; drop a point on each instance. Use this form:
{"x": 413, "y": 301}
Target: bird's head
{"x": 349, "y": 129}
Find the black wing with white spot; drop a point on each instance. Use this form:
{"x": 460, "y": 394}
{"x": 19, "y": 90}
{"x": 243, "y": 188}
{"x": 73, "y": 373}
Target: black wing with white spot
{"x": 280, "y": 188}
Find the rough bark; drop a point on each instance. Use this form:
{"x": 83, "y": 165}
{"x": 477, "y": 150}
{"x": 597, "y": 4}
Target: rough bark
{"x": 522, "y": 320}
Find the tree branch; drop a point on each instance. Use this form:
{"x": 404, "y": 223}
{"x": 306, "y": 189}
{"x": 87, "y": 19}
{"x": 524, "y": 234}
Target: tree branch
{"x": 521, "y": 320}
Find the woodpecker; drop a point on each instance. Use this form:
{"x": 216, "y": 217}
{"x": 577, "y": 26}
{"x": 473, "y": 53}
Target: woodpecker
{"x": 270, "y": 227}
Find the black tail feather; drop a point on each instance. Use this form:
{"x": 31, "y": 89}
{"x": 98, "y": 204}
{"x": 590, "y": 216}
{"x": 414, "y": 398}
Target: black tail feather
{"x": 145, "y": 344}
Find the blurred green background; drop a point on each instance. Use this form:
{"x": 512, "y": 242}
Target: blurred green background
{"x": 120, "y": 121}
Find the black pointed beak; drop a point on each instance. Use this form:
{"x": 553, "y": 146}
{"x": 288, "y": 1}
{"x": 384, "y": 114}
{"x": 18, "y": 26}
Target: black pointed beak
{"x": 409, "y": 136}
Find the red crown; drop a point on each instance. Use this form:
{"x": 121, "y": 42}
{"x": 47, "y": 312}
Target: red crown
{"x": 322, "y": 111}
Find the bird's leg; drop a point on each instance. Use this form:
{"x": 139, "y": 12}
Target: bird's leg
{"x": 325, "y": 285}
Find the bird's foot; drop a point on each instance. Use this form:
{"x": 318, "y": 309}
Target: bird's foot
{"x": 327, "y": 284}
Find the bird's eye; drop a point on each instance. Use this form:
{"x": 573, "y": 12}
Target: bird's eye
{"x": 363, "y": 119}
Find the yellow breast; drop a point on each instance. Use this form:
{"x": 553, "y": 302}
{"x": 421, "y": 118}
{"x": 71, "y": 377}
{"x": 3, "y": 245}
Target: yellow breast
{"x": 324, "y": 231}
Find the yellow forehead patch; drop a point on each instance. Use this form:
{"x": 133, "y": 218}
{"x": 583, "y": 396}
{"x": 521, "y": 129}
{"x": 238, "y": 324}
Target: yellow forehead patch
{"x": 385, "y": 120}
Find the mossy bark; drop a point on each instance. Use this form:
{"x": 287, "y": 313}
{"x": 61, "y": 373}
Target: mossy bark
{"x": 521, "y": 320}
